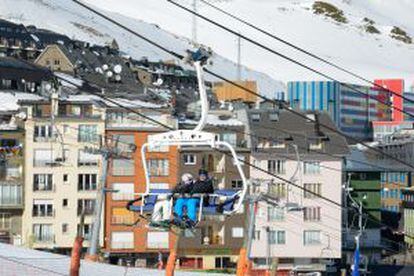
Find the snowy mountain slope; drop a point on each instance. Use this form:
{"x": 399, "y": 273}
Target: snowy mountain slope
{"x": 371, "y": 55}
{"x": 67, "y": 17}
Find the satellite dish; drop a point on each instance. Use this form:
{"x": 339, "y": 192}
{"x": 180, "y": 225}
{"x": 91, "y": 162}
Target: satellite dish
{"x": 118, "y": 69}
{"x": 99, "y": 70}
{"x": 159, "y": 82}
{"x": 105, "y": 67}
{"x": 117, "y": 77}
{"x": 109, "y": 74}
{"x": 48, "y": 87}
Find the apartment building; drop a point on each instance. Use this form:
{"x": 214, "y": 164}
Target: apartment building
{"x": 11, "y": 174}
{"x": 216, "y": 243}
{"x": 61, "y": 177}
{"x": 300, "y": 230}
{"x": 136, "y": 245}
{"x": 351, "y": 111}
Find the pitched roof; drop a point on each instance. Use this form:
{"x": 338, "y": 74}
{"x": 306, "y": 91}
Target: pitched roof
{"x": 282, "y": 125}
{"x": 17, "y": 69}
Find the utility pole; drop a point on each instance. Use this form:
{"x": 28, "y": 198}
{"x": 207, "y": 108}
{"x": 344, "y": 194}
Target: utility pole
{"x": 194, "y": 25}
{"x": 94, "y": 244}
{"x": 239, "y": 57}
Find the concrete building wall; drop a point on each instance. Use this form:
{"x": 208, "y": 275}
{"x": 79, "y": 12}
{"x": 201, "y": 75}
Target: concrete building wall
{"x": 65, "y": 180}
{"x": 293, "y": 222}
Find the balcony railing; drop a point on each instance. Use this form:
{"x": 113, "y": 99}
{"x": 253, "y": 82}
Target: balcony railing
{"x": 122, "y": 245}
{"x": 87, "y": 211}
{"x": 127, "y": 219}
{"x": 45, "y": 239}
{"x": 11, "y": 195}
{"x": 122, "y": 196}
{"x": 47, "y": 214}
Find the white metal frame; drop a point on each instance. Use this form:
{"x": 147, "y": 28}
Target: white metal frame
{"x": 195, "y": 137}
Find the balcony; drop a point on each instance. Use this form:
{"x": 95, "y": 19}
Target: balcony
{"x": 43, "y": 214}
{"x": 122, "y": 219}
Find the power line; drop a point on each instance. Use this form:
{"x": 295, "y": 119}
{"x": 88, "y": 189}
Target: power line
{"x": 280, "y": 103}
{"x": 301, "y": 64}
{"x": 301, "y": 49}
{"x": 277, "y": 102}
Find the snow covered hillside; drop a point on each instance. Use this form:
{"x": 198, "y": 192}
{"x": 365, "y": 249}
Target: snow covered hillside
{"x": 374, "y": 55}
{"x": 65, "y": 16}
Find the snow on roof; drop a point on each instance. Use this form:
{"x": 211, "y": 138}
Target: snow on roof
{"x": 214, "y": 120}
{"x": 9, "y": 100}
{"x": 133, "y": 103}
{"x": 23, "y": 261}
{"x": 83, "y": 98}
{"x": 68, "y": 80}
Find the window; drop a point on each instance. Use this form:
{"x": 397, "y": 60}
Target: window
{"x": 158, "y": 148}
{"x": 278, "y": 144}
{"x": 312, "y": 214}
{"x": 315, "y": 144}
{"x": 65, "y": 179}
{"x": 121, "y": 215}
{"x": 42, "y": 157}
{"x": 274, "y": 117}
{"x": 124, "y": 143}
{"x": 65, "y": 202}
{"x": 255, "y": 117}
{"x": 57, "y": 62}
{"x": 10, "y": 194}
{"x": 276, "y": 166}
{"x": 275, "y": 213}
{"x": 122, "y": 240}
{"x": 312, "y": 190}
{"x": 65, "y": 228}
{"x": 157, "y": 240}
{"x": 237, "y": 232}
{"x": 42, "y": 182}
{"x": 159, "y": 186}
{"x": 311, "y": 168}
{"x": 123, "y": 167}
{"x": 88, "y": 133}
{"x": 311, "y": 237}
{"x": 87, "y": 159}
{"x": 5, "y": 221}
{"x": 190, "y": 159}
{"x": 42, "y": 208}
{"x": 237, "y": 184}
{"x": 87, "y": 206}
{"x": 256, "y": 235}
{"x": 229, "y": 137}
{"x": 43, "y": 232}
{"x": 125, "y": 191}
{"x": 42, "y": 133}
{"x": 86, "y": 231}
{"x": 241, "y": 159}
{"x": 87, "y": 182}
{"x": 277, "y": 189}
{"x": 158, "y": 167}
{"x": 277, "y": 237}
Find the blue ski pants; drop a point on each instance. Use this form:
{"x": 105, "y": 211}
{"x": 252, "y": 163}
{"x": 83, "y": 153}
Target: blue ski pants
{"x": 191, "y": 204}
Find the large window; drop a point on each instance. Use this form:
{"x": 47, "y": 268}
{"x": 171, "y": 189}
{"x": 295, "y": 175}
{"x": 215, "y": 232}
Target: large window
{"x": 86, "y": 231}
{"x": 124, "y": 143}
{"x": 43, "y": 208}
{"x": 276, "y": 166}
{"x": 125, "y": 191}
{"x": 123, "y": 167}
{"x": 10, "y": 195}
{"x": 43, "y": 182}
{"x": 43, "y": 157}
{"x": 312, "y": 168}
{"x": 157, "y": 240}
{"x": 229, "y": 137}
{"x": 311, "y": 237}
{"x": 237, "y": 232}
{"x": 312, "y": 190}
{"x": 43, "y": 232}
{"x": 88, "y": 133}
{"x": 122, "y": 240}
{"x": 275, "y": 213}
{"x": 42, "y": 133}
{"x": 121, "y": 215}
{"x": 237, "y": 184}
{"x": 277, "y": 190}
{"x": 158, "y": 167}
{"x": 277, "y": 237}
{"x": 87, "y": 182}
{"x": 87, "y": 159}
{"x": 312, "y": 214}
{"x": 87, "y": 206}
